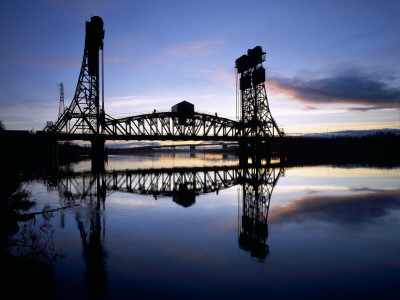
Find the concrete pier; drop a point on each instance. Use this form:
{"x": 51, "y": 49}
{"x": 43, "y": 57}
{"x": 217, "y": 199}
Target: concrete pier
{"x": 98, "y": 154}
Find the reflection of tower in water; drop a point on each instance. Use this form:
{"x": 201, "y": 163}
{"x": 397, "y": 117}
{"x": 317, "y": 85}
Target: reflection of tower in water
{"x": 257, "y": 185}
{"x": 92, "y": 230}
{"x": 91, "y": 225}
{"x": 89, "y": 190}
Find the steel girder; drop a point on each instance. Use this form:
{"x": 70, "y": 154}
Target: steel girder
{"x": 257, "y": 120}
{"x": 174, "y": 125}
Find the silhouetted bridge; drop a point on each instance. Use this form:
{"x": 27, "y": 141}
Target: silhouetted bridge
{"x": 85, "y": 118}
{"x": 165, "y": 126}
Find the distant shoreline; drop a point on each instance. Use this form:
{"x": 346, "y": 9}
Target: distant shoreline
{"x": 31, "y": 153}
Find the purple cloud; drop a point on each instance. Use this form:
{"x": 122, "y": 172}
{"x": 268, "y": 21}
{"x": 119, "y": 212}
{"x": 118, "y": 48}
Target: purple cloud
{"x": 346, "y": 88}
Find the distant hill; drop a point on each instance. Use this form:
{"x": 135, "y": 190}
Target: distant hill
{"x": 354, "y": 133}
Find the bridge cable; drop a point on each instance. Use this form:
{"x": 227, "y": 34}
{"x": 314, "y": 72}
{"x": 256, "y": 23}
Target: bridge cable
{"x": 236, "y": 91}
{"x": 102, "y": 79}
{"x": 237, "y": 96}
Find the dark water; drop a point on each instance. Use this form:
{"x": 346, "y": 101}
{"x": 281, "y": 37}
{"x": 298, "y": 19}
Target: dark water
{"x": 174, "y": 227}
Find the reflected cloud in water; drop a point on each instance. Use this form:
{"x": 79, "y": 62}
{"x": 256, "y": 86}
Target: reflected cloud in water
{"x": 162, "y": 160}
{"x": 351, "y": 209}
{"x": 182, "y": 228}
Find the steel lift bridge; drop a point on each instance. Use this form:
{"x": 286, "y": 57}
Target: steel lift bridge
{"x": 86, "y": 119}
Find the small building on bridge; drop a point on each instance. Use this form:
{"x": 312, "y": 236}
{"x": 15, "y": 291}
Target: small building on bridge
{"x": 183, "y": 107}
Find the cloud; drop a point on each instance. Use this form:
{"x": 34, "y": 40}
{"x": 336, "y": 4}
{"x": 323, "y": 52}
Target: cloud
{"x": 128, "y": 106}
{"x": 350, "y": 87}
{"x": 309, "y": 107}
{"x": 57, "y": 61}
{"x": 41, "y": 60}
{"x": 184, "y": 50}
{"x": 114, "y": 58}
{"x": 123, "y": 48}
{"x": 220, "y": 75}
{"x": 82, "y": 8}
{"x": 130, "y": 100}
{"x": 394, "y": 33}
{"x": 193, "y": 49}
{"x": 347, "y": 209}
{"x": 367, "y": 108}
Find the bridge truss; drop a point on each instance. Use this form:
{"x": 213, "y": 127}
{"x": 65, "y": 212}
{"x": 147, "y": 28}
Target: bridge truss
{"x": 86, "y": 119}
{"x": 255, "y": 116}
{"x": 173, "y": 125}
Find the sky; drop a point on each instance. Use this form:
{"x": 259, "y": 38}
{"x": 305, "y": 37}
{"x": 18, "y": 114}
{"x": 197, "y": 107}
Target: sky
{"x": 330, "y": 65}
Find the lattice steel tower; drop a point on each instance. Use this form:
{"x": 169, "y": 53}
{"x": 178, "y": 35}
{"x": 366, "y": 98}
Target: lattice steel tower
{"x": 255, "y": 116}
{"x": 86, "y": 113}
{"x": 61, "y": 107}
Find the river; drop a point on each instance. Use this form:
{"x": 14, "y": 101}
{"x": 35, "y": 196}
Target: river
{"x": 172, "y": 226}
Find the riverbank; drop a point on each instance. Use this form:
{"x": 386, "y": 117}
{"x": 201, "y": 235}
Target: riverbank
{"x": 379, "y": 150}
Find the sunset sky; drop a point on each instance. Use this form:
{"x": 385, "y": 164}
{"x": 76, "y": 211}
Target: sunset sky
{"x": 330, "y": 65}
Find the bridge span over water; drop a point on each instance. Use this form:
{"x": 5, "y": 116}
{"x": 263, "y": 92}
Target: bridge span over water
{"x": 85, "y": 118}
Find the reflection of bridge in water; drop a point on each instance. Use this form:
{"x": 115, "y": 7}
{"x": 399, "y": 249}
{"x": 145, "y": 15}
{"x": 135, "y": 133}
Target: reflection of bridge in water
{"x": 182, "y": 185}
{"x": 90, "y": 191}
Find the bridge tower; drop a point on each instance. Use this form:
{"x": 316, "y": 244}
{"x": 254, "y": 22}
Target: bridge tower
{"x": 85, "y": 115}
{"x": 254, "y": 113}
{"x": 258, "y": 127}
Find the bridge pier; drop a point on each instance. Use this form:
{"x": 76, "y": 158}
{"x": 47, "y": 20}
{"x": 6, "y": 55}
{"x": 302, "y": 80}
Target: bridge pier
{"x": 192, "y": 151}
{"x": 254, "y": 152}
{"x": 260, "y": 152}
{"x": 98, "y": 154}
{"x": 54, "y": 153}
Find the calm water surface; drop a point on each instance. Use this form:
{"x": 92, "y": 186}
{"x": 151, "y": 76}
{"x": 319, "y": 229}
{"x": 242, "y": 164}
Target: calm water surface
{"x": 173, "y": 227}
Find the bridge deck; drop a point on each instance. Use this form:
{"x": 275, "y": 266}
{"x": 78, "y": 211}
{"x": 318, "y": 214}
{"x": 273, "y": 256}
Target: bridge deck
{"x": 162, "y": 126}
